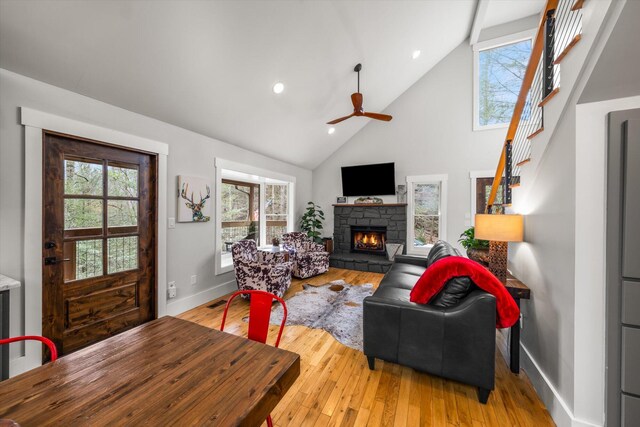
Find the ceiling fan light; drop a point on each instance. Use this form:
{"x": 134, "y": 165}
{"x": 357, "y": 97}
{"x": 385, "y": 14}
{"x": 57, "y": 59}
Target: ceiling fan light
{"x": 278, "y": 88}
{"x": 415, "y": 54}
{"x": 331, "y": 130}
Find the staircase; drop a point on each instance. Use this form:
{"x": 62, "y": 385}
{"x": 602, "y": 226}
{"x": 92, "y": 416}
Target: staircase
{"x": 560, "y": 29}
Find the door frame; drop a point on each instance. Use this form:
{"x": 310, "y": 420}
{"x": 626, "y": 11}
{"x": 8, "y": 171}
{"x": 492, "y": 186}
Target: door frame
{"x": 616, "y": 165}
{"x": 473, "y": 177}
{"x": 35, "y": 123}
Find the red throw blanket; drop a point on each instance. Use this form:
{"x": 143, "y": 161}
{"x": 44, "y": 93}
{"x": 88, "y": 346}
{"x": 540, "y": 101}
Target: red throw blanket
{"x": 438, "y": 274}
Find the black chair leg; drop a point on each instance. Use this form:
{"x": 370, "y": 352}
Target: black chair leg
{"x": 483, "y": 395}
{"x": 372, "y": 362}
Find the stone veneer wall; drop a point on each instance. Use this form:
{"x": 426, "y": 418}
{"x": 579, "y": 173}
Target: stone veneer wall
{"x": 392, "y": 217}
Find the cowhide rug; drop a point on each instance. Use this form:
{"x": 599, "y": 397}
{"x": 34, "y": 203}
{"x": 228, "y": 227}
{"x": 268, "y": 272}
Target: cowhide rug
{"x": 335, "y": 307}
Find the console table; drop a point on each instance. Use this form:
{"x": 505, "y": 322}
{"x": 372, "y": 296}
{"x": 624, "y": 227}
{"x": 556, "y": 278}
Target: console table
{"x": 518, "y": 291}
{"x": 6, "y": 284}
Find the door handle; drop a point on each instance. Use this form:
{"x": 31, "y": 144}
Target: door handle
{"x": 51, "y": 260}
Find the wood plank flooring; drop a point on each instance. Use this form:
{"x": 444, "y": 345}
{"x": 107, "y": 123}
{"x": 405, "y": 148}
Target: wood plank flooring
{"x": 336, "y": 387}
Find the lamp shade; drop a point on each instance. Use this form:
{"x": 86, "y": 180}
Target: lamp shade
{"x": 499, "y": 228}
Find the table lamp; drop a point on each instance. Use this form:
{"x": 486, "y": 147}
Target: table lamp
{"x": 498, "y": 230}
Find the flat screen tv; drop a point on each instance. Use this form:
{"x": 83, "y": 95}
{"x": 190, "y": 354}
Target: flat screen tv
{"x": 369, "y": 180}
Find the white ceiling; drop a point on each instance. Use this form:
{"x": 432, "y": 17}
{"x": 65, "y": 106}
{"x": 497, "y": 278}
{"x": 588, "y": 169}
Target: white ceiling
{"x": 501, "y": 11}
{"x": 209, "y": 66}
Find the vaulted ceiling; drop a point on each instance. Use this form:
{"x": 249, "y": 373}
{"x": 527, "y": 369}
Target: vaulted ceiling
{"x": 209, "y": 66}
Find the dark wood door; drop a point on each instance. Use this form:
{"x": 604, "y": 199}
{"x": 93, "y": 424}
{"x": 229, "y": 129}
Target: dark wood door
{"x": 483, "y": 189}
{"x": 99, "y": 240}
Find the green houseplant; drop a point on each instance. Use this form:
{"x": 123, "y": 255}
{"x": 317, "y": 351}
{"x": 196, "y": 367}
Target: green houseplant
{"x": 477, "y": 250}
{"x": 311, "y": 221}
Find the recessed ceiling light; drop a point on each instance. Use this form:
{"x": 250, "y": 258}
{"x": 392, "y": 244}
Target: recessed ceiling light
{"x": 278, "y": 87}
{"x": 416, "y": 54}
{"x": 331, "y": 131}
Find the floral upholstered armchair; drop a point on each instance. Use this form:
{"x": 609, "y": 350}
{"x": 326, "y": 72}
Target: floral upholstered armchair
{"x": 257, "y": 270}
{"x": 309, "y": 258}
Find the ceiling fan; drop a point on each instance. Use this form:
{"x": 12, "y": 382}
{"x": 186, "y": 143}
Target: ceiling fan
{"x": 356, "y": 99}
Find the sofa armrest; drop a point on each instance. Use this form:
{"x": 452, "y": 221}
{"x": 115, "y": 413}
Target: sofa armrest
{"x": 384, "y": 316}
{"x": 456, "y": 342}
{"x": 411, "y": 259}
{"x": 470, "y": 340}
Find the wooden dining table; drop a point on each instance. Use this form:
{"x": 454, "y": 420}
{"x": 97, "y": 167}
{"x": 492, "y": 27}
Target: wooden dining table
{"x": 166, "y": 372}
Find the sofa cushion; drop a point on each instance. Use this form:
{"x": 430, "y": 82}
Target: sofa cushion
{"x": 414, "y": 270}
{"x": 441, "y": 250}
{"x": 454, "y": 291}
{"x": 399, "y": 279}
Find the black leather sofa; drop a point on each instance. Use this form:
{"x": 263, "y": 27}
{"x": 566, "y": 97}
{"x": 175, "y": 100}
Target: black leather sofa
{"x": 453, "y": 336}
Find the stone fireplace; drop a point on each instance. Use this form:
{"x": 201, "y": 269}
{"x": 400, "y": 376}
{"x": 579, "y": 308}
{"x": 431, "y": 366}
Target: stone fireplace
{"x": 380, "y": 224}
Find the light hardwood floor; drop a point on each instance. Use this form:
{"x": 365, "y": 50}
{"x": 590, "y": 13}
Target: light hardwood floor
{"x": 337, "y": 388}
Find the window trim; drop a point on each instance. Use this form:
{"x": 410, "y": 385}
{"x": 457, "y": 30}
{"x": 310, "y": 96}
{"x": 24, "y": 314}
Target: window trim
{"x": 442, "y": 224}
{"x": 486, "y": 45}
{"x": 258, "y": 176}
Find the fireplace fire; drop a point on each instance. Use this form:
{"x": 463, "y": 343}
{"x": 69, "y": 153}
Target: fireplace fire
{"x": 368, "y": 239}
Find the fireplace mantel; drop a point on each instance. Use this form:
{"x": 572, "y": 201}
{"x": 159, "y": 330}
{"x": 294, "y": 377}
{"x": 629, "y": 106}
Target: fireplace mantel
{"x": 368, "y": 205}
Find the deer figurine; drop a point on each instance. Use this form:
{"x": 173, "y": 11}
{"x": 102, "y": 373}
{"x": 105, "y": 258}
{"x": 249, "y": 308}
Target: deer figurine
{"x": 196, "y": 208}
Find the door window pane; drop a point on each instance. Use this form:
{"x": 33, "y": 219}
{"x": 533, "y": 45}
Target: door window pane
{"x": 122, "y": 213}
{"x": 82, "y": 178}
{"x": 82, "y": 213}
{"x": 123, "y": 182}
{"x": 85, "y": 259}
{"x": 122, "y": 254}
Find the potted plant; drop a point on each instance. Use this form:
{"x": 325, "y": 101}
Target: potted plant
{"x": 311, "y": 221}
{"x": 477, "y": 250}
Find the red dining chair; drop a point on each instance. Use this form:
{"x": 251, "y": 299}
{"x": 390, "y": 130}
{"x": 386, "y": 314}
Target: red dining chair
{"x": 259, "y": 315}
{"x": 46, "y": 341}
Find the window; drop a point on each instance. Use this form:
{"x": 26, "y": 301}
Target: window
{"x": 499, "y": 67}
{"x": 426, "y": 222}
{"x": 276, "y": 210}
{"x": 252, "y": 203}
{"x": 240, "y": 212}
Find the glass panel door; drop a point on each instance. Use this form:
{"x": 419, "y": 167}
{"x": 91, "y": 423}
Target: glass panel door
{"x": 99, "y": 240}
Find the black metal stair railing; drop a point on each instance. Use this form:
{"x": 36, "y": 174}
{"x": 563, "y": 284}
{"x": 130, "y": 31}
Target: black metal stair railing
{"x": 562, "y": 29}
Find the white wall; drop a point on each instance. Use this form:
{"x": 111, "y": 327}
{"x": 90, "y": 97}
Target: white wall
{"x": 431, "y": 133}
{"x": 590, "y": 256}
{"x": 562, "y": 258}
{"x": 190, "y": 245}
{"x": 545, "y": 262}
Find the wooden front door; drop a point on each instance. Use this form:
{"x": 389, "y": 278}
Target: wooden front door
{"x": 99, "y": 240}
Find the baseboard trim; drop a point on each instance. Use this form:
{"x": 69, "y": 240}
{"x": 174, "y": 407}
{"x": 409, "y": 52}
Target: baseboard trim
{"x": 180, "y": 306}
{"x": 557, "y": 407}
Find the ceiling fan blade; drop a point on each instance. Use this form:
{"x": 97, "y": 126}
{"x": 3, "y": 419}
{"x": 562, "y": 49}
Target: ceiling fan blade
{"x": 333, "y": 122}
{"x": 356, "y": 100}
{"x": 378, "y": 116}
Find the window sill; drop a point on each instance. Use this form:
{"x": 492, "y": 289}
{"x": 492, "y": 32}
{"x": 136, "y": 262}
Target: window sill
{"x": 226, "y": 264}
